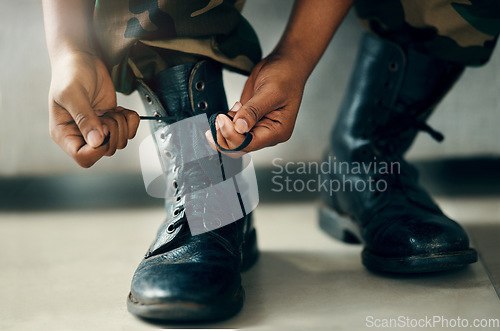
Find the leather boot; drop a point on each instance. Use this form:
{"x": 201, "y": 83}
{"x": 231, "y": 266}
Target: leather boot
{"x": 185, "y": 277}
{"x": 391, "y": 94}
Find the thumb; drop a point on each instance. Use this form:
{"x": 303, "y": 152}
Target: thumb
{"x": 259, "y": 105}
{"x": 87, "y": 121}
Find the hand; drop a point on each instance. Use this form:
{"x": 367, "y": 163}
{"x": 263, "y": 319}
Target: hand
{"x": 83, "y": 111}
{"x": 269, "y": 105}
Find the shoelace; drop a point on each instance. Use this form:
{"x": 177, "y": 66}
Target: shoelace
{"x": 211, "y": 122}
{"x": 392, "y": 132}
{"x": 199, "y": 199}
{"x": 166, "y": 119}
{"x": 422, "y": 126}
{"x": 390, "y": 135}
{"x": 245, "y": 143}
{"x": 198, "y": 210}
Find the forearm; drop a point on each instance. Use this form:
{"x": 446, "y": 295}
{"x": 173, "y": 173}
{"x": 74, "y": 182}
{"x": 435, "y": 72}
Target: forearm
{"x": 68, "y": 25}
{"x": 310, "y": 28}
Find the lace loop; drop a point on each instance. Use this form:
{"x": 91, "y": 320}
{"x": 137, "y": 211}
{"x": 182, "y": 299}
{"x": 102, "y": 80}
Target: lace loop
{"x": 244, "y": 144}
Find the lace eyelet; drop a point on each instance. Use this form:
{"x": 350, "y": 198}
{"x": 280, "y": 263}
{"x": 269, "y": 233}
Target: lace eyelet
{"x": 176, "y": 211}
{"x": 157, "y": 115}
{"x": 170, "y": 228}
{"x": 200, "y": 85}
{"x": 203, "y": 105}
{"x": 174, "y": 184}
{"x": 167, "y": 154}
{"x": 393, "y": 66}
{"x": 163, "y": 136}
{"x": 148, "y": 99}
{"x": 178, "y": 199}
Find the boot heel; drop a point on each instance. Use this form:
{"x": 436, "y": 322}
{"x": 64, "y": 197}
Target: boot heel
{"x": 337, "y": 226}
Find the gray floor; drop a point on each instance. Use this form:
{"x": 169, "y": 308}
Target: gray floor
{"x": 71, "y": 270}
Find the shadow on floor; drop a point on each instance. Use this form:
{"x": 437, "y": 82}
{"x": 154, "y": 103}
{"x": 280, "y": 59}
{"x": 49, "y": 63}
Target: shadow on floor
{"x": 308, "y": 285}
{"x": 486, "y": 238}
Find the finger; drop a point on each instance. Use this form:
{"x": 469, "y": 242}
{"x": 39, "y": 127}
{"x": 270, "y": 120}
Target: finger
{"x": 263, "y": 136}
{"x": 89, "y": 124}
{"x": 223, "y": 143}
{"x": 133, "y": 121}
{"x": 210, "y": 140}
{"x": 269, "y": 132}
{"x": 248, "y": 91}
{"x": 226, "y": 127}
{"x": 122, "y": 128}
{"x": 67, "y": 135}
{"x": 249, "y": 88}
{"x": 221, "y": 140}
{"x": 85, "y": 155}
{"x": 262, "y": 102}
{"x": 112, "y": 126}
{"x": 234, "y": 109}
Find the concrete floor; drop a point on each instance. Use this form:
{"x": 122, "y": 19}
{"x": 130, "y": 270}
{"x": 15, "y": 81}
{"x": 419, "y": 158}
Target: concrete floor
{"x": 71, "y": 270}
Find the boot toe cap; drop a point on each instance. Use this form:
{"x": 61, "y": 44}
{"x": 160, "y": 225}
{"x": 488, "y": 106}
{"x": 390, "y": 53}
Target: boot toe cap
{"x": 417, "y": 234}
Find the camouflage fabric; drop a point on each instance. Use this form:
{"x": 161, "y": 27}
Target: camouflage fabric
{"x": 463, "y": 31}
{"x": 139, "y": 38}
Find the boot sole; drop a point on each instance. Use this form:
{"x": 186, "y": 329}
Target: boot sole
{"x": 189, "y": 311}
{"x": 343, "y": 228}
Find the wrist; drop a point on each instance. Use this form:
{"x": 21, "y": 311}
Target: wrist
{"x": 66, "y": 50}
{"x": 292, "y": 62}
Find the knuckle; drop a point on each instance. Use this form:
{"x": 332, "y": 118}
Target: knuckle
{"x": 84, "y": 162}
{"x": 111, "y": 152}
{"x": 284, "y": 135}
{"x": 123, "y": 144}
{"x": 253, "y": 112}
{"x": 112, "y": 120}
{"x": 274, "y": 87}
{"x": 81, "y": 119}
{"x": 54, "y": 134}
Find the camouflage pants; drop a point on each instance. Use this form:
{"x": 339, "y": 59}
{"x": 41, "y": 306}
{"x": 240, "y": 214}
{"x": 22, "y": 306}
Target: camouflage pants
{"x": 462, "y": 31}
{"x": 139, "y": 38}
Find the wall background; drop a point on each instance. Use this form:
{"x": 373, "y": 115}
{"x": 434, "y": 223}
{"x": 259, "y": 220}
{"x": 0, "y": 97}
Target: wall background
{"x": 469, "y": 116}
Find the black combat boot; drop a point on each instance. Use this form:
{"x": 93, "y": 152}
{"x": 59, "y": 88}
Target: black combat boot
{"x": 186, "y": 277}
{"x": 378, "y": 200}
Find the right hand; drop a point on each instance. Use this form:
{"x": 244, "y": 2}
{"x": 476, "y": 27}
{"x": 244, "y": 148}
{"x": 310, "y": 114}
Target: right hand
{"x": 83, "y": 110}
{"x": 269, "y": 106}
